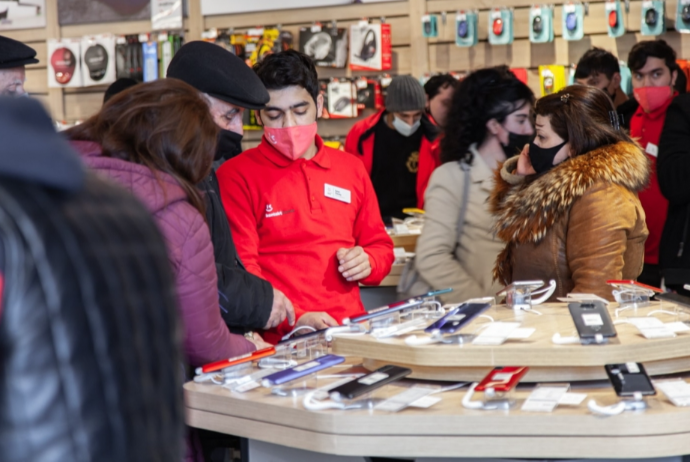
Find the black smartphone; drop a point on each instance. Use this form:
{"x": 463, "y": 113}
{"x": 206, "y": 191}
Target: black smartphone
{"x": 457, "y": 317}
{"x": 591, "y": 319}
{"x": 370, "y": 382}
{"x": 629, "y": 378}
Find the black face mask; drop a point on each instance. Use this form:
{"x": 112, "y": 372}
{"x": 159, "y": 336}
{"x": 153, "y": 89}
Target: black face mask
{"x": 542, "y": 158}
{"x": 229, "y": 145}
{"x": 516, "y": 144}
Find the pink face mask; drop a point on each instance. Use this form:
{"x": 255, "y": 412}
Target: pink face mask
{"x": 652, "y": 98}
{"x": 292, "y": 142}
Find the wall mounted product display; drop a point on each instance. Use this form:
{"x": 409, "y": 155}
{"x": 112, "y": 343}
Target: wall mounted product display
{"x": 501, "y": 26}
{"x": 429, "y": 26}
{"x": 22, "y": 15}
{"x": 342, "y": 98}
{"x": 683, "y": 16}
{"x": 551, "y": 79}
{"x": 541, "y": 24}
{"x": 98, "y": 59}
{"x": 370, "y": 47}
{"x": 573, "y": 21}
{"x": 64, "y": 65}
{"x": 466, "y": 28}
{"x": 614, "y": 17}
{"x": 264, "y": 41}
{"x": 368, "y": 94}
{"x": 327, "y": 46}
{"x": 214, "y": 7}
{"x": 150, "y": 54}
{"x": 94, "y": 11}
{"x": 166, "y": 14}
{"x": 653, "y": 17}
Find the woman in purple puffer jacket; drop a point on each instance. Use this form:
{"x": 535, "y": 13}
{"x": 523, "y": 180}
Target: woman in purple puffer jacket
{"x": 157, "y": 140}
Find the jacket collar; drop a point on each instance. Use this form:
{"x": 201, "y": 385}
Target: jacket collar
{"x": 322, "y": 157}
{"x": 526, "y": 212}
{"x": 481, "y": 172}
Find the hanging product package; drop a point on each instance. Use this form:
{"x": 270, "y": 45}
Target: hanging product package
{"x": 541, "y": 24}
{"x": 368, "y": 94}
{"x": 150, "y": 50}
{"x": 64, "y": 65}
{"x": 653, "y": 17}
{"x": 501, "y": 26}
{"x": 551, "y": 79}
{"x": 98, "y": 59}
{"x": 573, "y": 21}
{"x": 370, "y": 47}
{"x": 264, "y": 41}
{"x": 342, "y": 99}
{"x": 614, "y": 17}
{"x": 626, "y": 78}
{"x": 683, "y": 16}
{"x": 168, "y": 44}
{"x": 466, "y": 28}
{"x": 327, "y": 46}
{"x": 429, "y": 26}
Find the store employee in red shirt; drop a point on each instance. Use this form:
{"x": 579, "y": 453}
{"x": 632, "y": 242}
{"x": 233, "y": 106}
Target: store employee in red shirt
{"x": 304, "y": 216}
{"x": 653, "y": 66}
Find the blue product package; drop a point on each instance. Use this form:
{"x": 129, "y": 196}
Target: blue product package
{"x": 466, "y": 29}
{"x": 573, "y": 21}
{"x": 150, "y": 50}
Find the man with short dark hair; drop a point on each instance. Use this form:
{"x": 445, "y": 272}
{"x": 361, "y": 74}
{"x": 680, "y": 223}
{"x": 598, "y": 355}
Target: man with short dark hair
{"x": 304, "y": 215}
{"x": 14, "y": 56}
{"x": 654, "y": 73}
{"x": 599, "y": 68}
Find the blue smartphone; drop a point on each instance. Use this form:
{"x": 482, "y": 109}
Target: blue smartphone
{"x": 397, "y": 306}
{"x": 301, "y": 370}
{"x": 457, "y": 317}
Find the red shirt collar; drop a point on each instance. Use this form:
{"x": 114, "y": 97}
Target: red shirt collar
{"x": 322, "y": 157}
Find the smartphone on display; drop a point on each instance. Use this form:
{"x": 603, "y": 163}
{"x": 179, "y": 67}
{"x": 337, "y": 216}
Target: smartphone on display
{"x": 633, "y": 284}
{"x": 457, "y": 317}
{"x": 219, "y": 365}
{"x": 370, "y": 382}
{"x": 629, "y": 378}
{"x": 398, "y": 306}
{"x": 301, "y": 370}
{"x": 502, "y": 379}
{"x": 591, "y": 318}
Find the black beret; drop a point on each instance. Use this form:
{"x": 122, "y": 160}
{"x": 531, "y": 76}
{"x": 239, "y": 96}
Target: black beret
{"x": 15, "y": 54}
{"x": 215, "y": 71}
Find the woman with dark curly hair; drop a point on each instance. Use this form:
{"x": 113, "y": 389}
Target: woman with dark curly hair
{"x": 567, "y": 206}
{"x": 489, "y": 120}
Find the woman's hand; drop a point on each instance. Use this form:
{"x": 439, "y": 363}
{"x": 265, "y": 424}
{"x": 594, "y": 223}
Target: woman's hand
{"x": 524, "y": 165}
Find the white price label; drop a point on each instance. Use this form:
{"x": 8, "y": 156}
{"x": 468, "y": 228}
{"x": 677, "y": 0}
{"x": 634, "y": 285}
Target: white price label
{"x": 611, "y": 5}
{"x": 536, "y": 11}
{"x": 252, "y": 384}
{"x": 373, "y": 378}
{"x": 402, "y": 400}
{"x": 316, "y": 28}
{"x": 426, "y": 402}
{"x": 677, "y": 327}
{"x": 592, "y": 319}
{"x": 572, "y": 399}
{"x": 633, "y": 368}
{"x": 461, "y": 17}
{"x": 521, "y": 333}
{"x": 651, "y": 327}
{"x": 496, "y": 14}
{"x": 570, "y": 8}
{"x": 496, "y": 333}
{"x": 545, "y": 399}
{"x": 677, "y": 391}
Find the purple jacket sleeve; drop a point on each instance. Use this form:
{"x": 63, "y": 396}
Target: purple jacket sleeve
{"x": 207, "y": 338}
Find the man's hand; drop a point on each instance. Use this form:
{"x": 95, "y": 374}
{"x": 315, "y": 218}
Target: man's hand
{"x": 317, "y": 319}
{"x": 282, "y": 308}
{"x": 353, "y": 263}
{"x": 524, "y": 165}
{"x": 259, "y": 342}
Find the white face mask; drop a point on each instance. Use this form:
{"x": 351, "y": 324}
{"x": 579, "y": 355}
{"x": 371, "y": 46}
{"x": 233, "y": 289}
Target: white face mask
{"x": 404, "y": 128}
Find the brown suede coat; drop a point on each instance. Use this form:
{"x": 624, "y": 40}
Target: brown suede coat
{"x": 581, "y": 223}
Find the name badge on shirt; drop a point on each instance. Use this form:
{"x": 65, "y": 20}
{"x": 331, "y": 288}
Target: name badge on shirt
{"x": 339, "y": 194}
{"x": 652, "y": 149}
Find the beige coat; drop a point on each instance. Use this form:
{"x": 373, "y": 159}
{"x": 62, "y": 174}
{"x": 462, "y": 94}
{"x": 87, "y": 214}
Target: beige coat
{"x": 445, "y": 259}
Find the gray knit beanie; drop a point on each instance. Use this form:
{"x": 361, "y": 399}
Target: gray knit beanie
{"x": 405, "y": 93}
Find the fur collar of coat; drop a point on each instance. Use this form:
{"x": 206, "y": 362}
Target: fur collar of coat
{"x": 525, "y": 213}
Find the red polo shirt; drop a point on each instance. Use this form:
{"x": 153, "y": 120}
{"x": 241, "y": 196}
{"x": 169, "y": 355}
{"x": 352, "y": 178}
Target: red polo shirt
{"x": 646, "y": 128}
{"x": 289, "y": 218}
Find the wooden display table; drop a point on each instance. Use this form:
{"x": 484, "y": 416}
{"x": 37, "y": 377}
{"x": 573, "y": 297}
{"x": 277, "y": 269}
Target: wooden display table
{"x": 408, "y": 241}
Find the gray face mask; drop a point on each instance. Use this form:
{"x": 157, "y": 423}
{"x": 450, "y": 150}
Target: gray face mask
{"x": 404, "y": 128}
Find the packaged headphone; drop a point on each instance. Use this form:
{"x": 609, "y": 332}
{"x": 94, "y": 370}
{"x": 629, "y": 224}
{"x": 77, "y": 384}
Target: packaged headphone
{"x": 98, "y": 59}
{"x": 501, "y": 26}
{"x": 573, "y": 21}
{"x": 551, "y": 79}
{"x": 683, "y": 16}
{"x": 64, "y": 63}
{"x": 429, "y": 26}
{"x": 653, "y": 17}
{"x": 129, "y": 57}
{"x": 368, "y": 93}
{"x": 466, "y": 28}
{"x": 327, "y": 46}
{"x": 614, "y": 17}
{"x": 342, "y": 99}
{"x": 541, "y": 24}
{"x": 370, "y": 47}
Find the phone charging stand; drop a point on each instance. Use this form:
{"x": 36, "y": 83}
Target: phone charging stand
{"x": 628, "y": 299}
{"x": 521, "y": 298}
{"x": 635, "y": 403}
{"x": 222, "y": 376}
{"x": 492, "y": 400}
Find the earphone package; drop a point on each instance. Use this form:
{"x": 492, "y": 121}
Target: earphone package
{"x": 326, "y": 45}
{"x": 98, "y": 59}
{"x": 653, "y": 17}
{"x": 573, "y": 21}
{"x": 64, "y": 66}
{"x": 541, "y": 24}
{"x": 370, "y": 47}
{"x": 342, "y": 99}
{"x": 614, "y": 16}
{"x": 466, "y": 28}
{"x": 501, "y": 26}
{"x": 683, "y": 16}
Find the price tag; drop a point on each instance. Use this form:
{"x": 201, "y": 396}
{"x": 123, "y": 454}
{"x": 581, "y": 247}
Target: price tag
{"x": 361, "y": 83}
{"x": 677, "y": 327}
{"x": 536, "y": 11}
{"x": 611, "y": 5}
{"x": 592, "y": 319}
{"x": 461, "y": 17}
{"x": 252, "y": 384}
{"x": 570, "y": 8}
{"x": 496, "y": 333}
{"x": 316, "y": 28}
{"x": 651, "y": 327}
{"x": 426, "y": 402}
{"x": 545, "y": 398}
{"x": 572, "y": 399}
{"x": 401, "y": 229}
{"x": 521, "y": 333}
{"x": 402, "y": 400}
{"x": 633, "y": 368}
{"x": 677, "y": 391}
{"x": 143, "y": 38}
{"x": 496, "y": 14}
{"x": 363, "y": 23}
{"x": 426, "y": 18}
{"x": 647, "y": 4}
